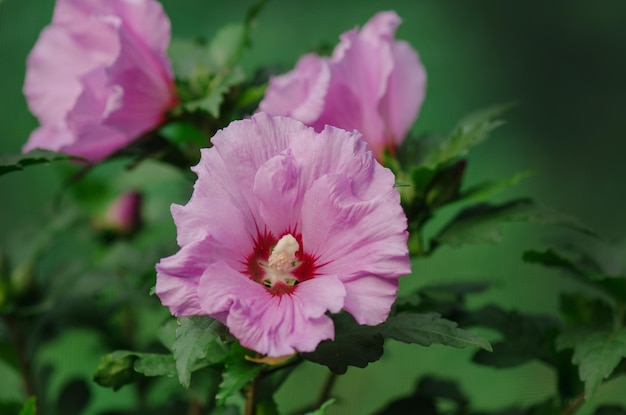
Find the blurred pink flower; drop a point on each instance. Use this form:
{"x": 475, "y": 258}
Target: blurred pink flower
{"x": 371, "y": 83}
{"x": 285, "y": 225}
{"x": 123, "y": 215}
{"x": 98, "y": 76}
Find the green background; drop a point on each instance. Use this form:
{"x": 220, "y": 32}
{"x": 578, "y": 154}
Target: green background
{"x": 563, "y": 62}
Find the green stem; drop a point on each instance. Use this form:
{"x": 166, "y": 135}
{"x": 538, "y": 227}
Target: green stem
{"x": 20, "y": 347}
{"x": 574, "y": 405}
{"x": 251, "y": 396}
{"x": 327, "y": 389}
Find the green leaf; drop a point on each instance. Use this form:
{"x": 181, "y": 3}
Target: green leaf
{"x": 193, "y": 337}
{"x": 481, "y": 223}
{"x": 238, "y": 372}
{"x": 484, "y": 191}
{"x": 322, "y": 409}
{"x": 354, "y": 345}
{"x": 597, "y": 356}
{"x": 30, "y": 407}
{"x": 154, "y": 364}
{"x": 227, "y": 45}
{"x": 14, "y": 162}
{"x": 430, "y": 328}
{"x": 471, "y": 131}
{"x": 182, "y": 132}
{"x": 211, "y": 98}
{"x": 525, "y": 337}
{"x": 578, "y": 309}
{"x": 116, "y": 370}
{"x": 425, "y": 398}
{"x": 613, "y": 288}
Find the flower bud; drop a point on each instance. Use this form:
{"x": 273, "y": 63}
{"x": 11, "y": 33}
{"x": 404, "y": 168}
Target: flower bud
{"x": 123, "y": 216}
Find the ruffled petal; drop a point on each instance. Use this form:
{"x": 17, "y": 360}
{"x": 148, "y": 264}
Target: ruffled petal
{"x": 238, "y": 152}
{"x": 299, "y": 94}
{"x": 370, "y": 298}
{"x": 278, "y": 189}
{"x": 269, "y": 324}
{"x": 223, "y": 221}
{"x": 351, "y": 236}
{"x": 178, "y": 275}
{"x": 101, "y": 66}
{"x": 58, "y": 61}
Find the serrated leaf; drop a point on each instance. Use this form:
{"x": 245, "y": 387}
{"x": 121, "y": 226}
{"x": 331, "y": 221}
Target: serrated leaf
{"x": 14, "y": 162}
{"x": 238, "y": 372}
{"x": 481, "y": 223}
{"x": 354, "y": 345}
{"x": 471, "y": 131}
{"x": 212, "y": 97}
{"x": 322, "y": 409}
{"x": 30, "y": 407}
{"x": 193, "y": 337}
{"x": 429, "y": 328}
{"x": 597, "y": 356}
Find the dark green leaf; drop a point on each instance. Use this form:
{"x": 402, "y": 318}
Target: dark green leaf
{"x": 30, "y": 407}
{"x": 578, "y": 309}
{"x": 238, "y": 373}
{"x": 13, "y": 162}
{"x": 610, "y": 410}
{"x": 471, "y": 131}
{"x": 267, "y": 407}
{"x": 597, "y": 356}
{"x": 481, "y": 223}
{"x": 271, "y": 381}
{"x": 322, "y": 409}
{"x": 526, "y": 337}
{"x": 193, "y": 337}
{"x": 425, "y": 398}
{"x": 427, "y": 329}
{"x": 354, "y": 345}
{"x": 612, "y": 287}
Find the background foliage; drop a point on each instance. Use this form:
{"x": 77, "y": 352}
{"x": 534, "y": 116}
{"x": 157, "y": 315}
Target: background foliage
{"x": 562, "y": 62}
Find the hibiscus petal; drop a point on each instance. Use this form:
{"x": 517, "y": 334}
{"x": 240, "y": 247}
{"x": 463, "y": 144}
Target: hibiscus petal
{"x": 270, "y": 324}
{"x": 398, "y": 107}
{"x": 370, "y": 298}
{"x": 300, "y": 93}
{"x": 356, "y": 239}
{"x": 279, "y": 192}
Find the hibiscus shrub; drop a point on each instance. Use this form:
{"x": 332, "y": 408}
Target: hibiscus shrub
{"x": 225, "y": 229}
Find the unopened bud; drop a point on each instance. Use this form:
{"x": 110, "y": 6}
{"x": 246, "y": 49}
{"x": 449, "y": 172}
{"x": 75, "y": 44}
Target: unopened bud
{"x": 123, "y": 216}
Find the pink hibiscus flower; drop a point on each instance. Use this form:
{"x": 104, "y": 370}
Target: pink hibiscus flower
{"x": 285, "y": 225}
{"x": 98, "y": 76}
{"x": 371, "y": 83}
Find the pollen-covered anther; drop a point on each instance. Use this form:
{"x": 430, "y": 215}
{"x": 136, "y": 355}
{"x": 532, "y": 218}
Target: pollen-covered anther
{"x": 284, "y": 254}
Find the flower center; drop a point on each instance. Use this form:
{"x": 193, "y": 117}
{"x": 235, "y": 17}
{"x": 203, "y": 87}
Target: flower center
{"x": 281, "y": 263}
